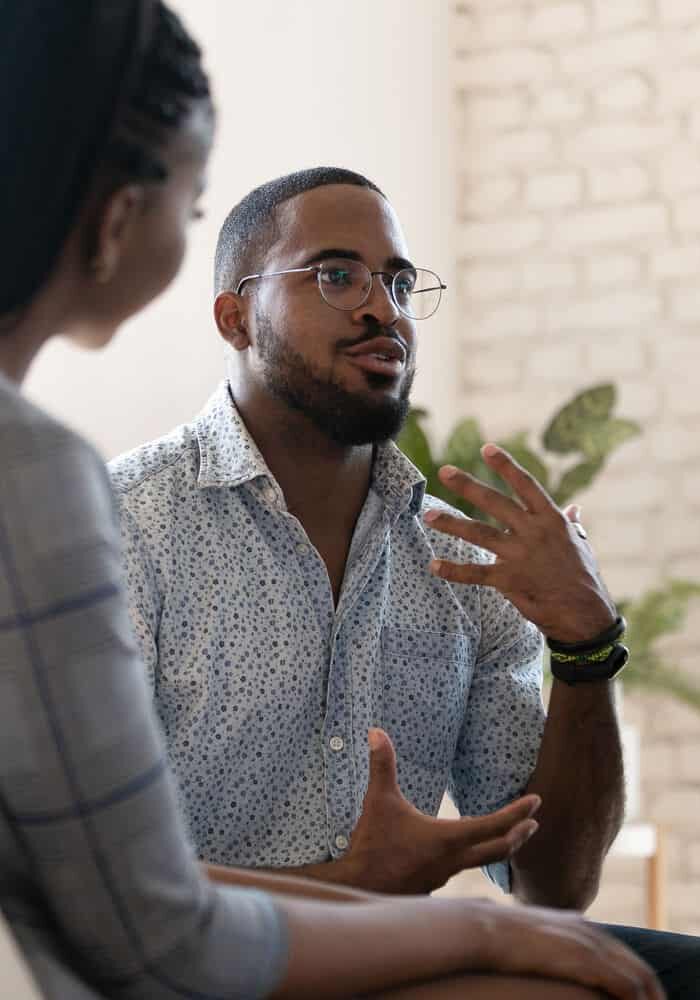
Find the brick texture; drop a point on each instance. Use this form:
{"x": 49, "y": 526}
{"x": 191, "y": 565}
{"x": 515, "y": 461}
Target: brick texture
{"x": 578, "y": 163}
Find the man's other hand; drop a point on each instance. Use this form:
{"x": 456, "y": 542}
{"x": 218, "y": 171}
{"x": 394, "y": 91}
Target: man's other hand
{"x": 395, "y": 848}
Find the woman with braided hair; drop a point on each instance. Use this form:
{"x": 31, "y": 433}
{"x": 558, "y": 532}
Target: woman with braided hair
{"x": 106, "y": 123}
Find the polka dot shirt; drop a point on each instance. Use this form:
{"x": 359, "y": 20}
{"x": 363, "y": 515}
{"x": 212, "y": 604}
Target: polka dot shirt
{"x": 265, "y": 689}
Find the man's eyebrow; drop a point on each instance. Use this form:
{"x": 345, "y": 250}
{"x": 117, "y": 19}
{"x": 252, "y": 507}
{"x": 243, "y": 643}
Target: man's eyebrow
{"x": 400, "y": 264}
{"x": 332, "y": 253}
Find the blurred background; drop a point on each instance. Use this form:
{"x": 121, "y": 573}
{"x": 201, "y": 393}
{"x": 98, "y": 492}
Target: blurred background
{"x": 544, "y": 158}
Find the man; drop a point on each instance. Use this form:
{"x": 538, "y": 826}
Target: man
{"x": 293, "y": 589}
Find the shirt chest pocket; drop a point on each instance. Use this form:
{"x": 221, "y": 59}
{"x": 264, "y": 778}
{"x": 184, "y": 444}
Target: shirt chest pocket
{"x": 425, "y": 685}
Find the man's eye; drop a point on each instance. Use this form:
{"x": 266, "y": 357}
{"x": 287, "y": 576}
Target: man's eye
{"x": 337, "y": 276}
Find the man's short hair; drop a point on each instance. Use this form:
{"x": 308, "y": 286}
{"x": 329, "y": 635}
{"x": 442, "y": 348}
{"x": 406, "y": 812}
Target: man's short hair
{"x": 250, "y": 227}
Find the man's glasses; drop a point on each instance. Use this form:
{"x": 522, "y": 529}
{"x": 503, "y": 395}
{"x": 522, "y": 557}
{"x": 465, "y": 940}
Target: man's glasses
{"x": 347, "y": 284}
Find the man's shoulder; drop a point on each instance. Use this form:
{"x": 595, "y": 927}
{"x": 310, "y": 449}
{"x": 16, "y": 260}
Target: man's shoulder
{"x": 167, "y": 463}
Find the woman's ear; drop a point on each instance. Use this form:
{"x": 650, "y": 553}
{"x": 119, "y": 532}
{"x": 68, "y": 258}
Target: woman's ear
{"x": 230, "y": 320}
{"x": 118, "y": 219}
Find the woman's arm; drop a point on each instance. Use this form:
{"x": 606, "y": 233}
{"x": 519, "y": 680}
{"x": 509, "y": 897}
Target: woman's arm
{"x": 338, "y": 951}
{"x": 287, "y": 885}
{"x": 84, "y": 783}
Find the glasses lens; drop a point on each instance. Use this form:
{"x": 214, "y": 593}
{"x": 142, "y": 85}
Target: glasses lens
{"x": 344, "y": 283}
{"x": 418, "y": 292}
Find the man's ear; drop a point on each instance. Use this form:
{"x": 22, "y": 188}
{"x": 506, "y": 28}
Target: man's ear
{"x": 120, "y": 213}
{"x": 229, "y": 313}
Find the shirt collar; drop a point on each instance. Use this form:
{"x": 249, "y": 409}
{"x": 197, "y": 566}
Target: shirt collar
{"x": 228, "y": 454}
{"x": 230, "y": 457}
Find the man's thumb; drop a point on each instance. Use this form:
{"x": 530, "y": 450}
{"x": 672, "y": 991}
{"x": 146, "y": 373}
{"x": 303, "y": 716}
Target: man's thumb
{"x": 382, "y": 760}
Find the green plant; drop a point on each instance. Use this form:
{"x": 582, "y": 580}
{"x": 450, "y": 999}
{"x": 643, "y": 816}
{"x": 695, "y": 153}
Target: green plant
{"x": 659, "y": 612}
{"x": 572, "y": 452}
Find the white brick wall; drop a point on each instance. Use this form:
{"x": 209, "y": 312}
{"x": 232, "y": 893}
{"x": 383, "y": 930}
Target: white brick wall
{"x": 579, "y": 248}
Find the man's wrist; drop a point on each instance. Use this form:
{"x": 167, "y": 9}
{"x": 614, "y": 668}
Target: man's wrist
{"x": 345, "y": 871}
{"x": 598, "y": 659}
{"x": 586, "y": 630}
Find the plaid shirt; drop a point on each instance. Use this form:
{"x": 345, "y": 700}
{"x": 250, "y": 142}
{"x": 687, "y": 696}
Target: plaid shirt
{"x": 97, "y": 877}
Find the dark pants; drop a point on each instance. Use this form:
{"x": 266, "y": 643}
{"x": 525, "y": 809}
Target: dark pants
{"x": 674, "y": 957}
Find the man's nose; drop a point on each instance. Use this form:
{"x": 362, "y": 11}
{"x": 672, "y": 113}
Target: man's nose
{"x": 380, "y": 305}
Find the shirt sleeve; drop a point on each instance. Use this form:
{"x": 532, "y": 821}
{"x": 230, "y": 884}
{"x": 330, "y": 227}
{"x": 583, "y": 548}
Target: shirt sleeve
{"x": 504, "y": 720}
{"x": 83, "y": 780}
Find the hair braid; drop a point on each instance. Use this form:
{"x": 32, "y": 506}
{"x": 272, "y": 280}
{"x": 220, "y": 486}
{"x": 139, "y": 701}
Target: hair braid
{"x": 171, "y": 78}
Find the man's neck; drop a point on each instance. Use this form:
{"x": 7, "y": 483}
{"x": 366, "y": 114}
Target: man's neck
{"x": 322, "y": 482}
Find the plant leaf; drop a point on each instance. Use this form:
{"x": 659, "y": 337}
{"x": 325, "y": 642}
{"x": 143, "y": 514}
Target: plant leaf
{"x": 565, "y": 431}
{"x": 414, "y": 444}
{"x": 656, "y": 676}
{"x": 575, "y": 480}
{"x": 463, "y": 447}
{"x": 599, "y": 438}
{"x": 658, "y": 612}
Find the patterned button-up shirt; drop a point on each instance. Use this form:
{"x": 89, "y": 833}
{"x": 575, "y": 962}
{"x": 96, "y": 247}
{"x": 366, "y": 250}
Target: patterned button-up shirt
{"x": 266, "y": 689}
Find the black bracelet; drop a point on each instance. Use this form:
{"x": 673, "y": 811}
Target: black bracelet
{"x": 573, "y": 673}
{"x": 611, "y": 635}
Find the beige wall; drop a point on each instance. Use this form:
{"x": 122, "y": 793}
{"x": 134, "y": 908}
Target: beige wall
{"x": 297, "y": 84}
{"x": 579, "y": 260}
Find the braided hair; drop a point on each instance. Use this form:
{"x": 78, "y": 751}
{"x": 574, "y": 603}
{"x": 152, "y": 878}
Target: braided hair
{"x": 170, "y": 78}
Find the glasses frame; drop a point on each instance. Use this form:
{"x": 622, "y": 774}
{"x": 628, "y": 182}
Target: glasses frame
{"x": 318, "y": 268}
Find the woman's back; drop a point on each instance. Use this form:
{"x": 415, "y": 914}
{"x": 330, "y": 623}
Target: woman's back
{"x": 91, "y": 841}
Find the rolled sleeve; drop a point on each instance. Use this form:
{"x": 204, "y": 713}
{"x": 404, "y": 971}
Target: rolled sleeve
{"x": 504, "y": 722}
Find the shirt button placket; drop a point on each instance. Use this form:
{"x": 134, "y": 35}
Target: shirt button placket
{"x": 338, "y": 753}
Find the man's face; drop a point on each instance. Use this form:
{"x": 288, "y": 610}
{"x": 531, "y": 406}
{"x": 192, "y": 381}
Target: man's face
{"x": 350, "y": 371}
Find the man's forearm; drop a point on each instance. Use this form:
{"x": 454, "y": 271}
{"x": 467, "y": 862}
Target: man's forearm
{"x": 579, "y": 776}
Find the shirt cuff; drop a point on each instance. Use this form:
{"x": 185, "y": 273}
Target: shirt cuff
{"x": 499, "y": 874}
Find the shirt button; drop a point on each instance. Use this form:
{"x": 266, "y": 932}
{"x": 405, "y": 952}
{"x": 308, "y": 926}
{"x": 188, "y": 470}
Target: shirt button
{"x": 302, "y": 548}
{"x": 337, "y": 742}
{"x": 341, "y": 842}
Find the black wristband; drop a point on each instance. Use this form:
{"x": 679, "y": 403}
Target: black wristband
{"x": 584, "y": 673}
{"x": 612, "y": 634}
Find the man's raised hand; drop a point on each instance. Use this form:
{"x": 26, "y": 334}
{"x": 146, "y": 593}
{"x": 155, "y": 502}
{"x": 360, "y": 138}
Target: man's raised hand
{"x": 544, "y": 564}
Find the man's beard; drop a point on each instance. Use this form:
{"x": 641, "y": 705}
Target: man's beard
{"x": 347, "y": 418}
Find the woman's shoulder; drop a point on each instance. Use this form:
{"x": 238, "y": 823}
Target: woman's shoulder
{"x": 51, "y": 476}
{"x": 29, "y": 433}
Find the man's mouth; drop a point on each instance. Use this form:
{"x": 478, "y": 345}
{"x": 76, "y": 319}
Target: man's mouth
{"x": 381, "y": 355}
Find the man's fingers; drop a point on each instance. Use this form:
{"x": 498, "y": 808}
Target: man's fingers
{"x": 479, "y": 829}
{"x": 382, "y": 764}
{"x": 476, "y": 532}
{"x": 471, "y": 573}
{"x": 490, "y": 501}
{"x": 500, "y": 848}
{"x": 523, "y": 484}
